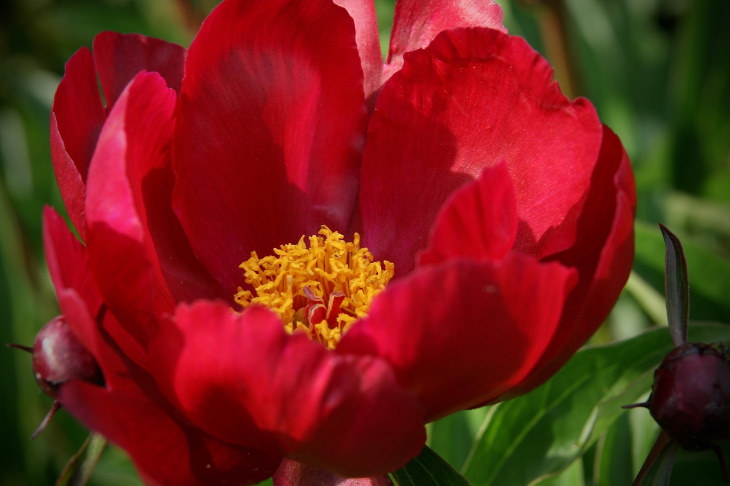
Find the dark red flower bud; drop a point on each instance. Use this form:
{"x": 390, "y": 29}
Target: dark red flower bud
{"x": 58, "y": 356}
{"x": 691, "y": 395}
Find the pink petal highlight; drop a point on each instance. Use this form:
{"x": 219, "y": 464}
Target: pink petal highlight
{"x": 292, "y": 473}
{"x": 418, "y": 22}
{"x": 128, "y": 276}
{"x": 368, "y": 41}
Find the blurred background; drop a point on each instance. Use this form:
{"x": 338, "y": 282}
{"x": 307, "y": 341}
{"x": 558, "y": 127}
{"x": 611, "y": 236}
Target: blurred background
{"x": 658, "y": 72}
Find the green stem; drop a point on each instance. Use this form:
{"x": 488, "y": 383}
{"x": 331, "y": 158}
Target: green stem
{"x": 554, "y": 30}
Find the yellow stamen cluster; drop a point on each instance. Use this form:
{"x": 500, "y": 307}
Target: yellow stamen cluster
{"x": 332, "y": 281}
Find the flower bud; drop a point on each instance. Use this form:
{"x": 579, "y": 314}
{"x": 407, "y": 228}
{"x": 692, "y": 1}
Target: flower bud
{"x": 58, "y": 356}
{"x": 690, "y": 398}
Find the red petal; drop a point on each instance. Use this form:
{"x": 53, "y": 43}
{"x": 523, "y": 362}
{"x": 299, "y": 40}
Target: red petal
{"x": 461, "y": 333}
{"x": 292, "y": 473}
{"x": 478, "y": 222}
{"x": 120, "y": 57}
{"x": 131, "y": 412}
{"x": 472, "y": 99}
{"x": 136, "y": 134}
{"x": 184, "y": 276}
{"x": 603, "y": 254}
{"x": 368, "y": 41}
{"x": 418, "y": 22}
{"x": 164, "y": 450}
{"x": 150, "y": 175}
{"x": 78, "y": 297}
{"x": 96, "y": 329}
{"x": 270, "y": 128}
{"x": 78, "y": 113}
{"x": 341, "y": 413}
{"x": 151, "y": 182}
{"x": 76, "y": 120}
{"x": 68, "y": 264}
{"x": 67, "y": 258}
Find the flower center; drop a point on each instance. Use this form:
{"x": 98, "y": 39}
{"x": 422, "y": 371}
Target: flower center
{"x": 321, "y": 289}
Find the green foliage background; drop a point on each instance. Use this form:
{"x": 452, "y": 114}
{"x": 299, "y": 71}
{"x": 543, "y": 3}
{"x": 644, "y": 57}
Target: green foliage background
{"x": 658, "y": 72}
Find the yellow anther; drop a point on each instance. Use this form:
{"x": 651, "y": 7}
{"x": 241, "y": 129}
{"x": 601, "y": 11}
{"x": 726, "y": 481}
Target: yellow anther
{"x": 321, "y": 289}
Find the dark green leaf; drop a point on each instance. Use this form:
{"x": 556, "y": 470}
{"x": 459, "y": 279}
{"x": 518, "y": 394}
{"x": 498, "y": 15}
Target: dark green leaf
{"x": 429, "y": 469}
{"x": 676, "y": 287}
{"x": 698, "y": 467}
{"x": 542, "y": 432}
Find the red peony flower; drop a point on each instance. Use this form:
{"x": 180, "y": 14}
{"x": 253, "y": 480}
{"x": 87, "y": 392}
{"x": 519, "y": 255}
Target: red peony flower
{"x": 466, "y": 228}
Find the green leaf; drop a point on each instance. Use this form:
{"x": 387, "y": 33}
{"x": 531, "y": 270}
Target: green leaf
{"x": 79, "y": 468}
{"x": 572, "y": 476}
{"x": 451, "y": 437}
{"x": 429, "y": 469}
{"x": 542, "y": 432}
{"x": 613, "y": 455}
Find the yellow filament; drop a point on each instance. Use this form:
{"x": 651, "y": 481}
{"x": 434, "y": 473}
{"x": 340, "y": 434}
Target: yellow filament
{"x": 330, "y": 268}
